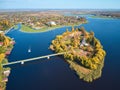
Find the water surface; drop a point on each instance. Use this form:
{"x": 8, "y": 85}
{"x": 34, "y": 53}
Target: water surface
{"x": 55, "y": 74}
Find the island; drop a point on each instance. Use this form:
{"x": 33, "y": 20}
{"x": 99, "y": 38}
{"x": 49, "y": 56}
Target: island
{"x": 6, "y": 45}
{"x": 82, "y": 51}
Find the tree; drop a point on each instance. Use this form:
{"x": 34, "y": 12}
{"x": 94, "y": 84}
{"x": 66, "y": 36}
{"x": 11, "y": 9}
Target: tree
{"x": 83, "y": 31}
{"x": 67, "y": 31}
{"x": 5, "y": 24}
{"x": 2, "y": 56}
{"x": 73, "y": 29}
{"x": 2, "y": 50}
{"x": 76, "y": 29}
{"x": 6, "y": 42}
{"x": 92, "y": 33}
{"x": 90, "y": 49}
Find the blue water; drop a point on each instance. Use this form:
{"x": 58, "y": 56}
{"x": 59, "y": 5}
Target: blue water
{"x": 55, "y": 74}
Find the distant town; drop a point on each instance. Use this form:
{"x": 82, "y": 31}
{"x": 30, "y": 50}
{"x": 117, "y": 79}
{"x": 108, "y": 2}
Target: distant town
{"x": 38, "y": 20}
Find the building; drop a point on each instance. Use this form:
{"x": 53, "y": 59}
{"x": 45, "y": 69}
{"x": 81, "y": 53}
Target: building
{"x": 1, "y": 43}
{"x": 8, "y": 52}
{"x": 6, "y": 73}
{"x": 83, "y": 43}
{"x": 5, "y": 80}
{"x": 12, "y": 42}
{"x": 51, "y": 23}
{"x": 1, "y": 31}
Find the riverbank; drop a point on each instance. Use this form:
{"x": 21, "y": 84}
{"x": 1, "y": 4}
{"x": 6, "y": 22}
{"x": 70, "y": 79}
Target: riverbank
{"x": 85, "y": 73}
{"x": 27, "y": 29}
{"x": 6, "y": 45}
{"x": 104, "y": 17}
{"x": 6, "y": 31}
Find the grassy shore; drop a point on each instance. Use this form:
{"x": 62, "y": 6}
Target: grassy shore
{"x": 28, "y": 29}
{"x": 102, "y": 17}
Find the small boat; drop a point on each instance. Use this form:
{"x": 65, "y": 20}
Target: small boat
{"x": 29, "y": 50}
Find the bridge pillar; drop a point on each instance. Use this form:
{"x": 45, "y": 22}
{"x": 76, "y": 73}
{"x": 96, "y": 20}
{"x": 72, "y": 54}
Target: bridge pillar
{"x": 22, "y": 62}
{"x": 48, "y": 57}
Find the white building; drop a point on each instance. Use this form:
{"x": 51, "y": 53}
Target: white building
{"x": 1, "y": 31}
{"x": 51, "y": 23}
{"x": 83, "y": 43}
{"x": 6, "y": 73}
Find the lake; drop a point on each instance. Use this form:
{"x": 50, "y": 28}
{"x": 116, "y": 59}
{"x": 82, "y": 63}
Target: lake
{"x": 55, "y": 74}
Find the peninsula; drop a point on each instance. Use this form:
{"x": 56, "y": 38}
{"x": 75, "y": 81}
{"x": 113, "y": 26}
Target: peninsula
{"x": 49, "y": 22}
{"x": 40, "y": 21}
{"x": 83, "y": 52}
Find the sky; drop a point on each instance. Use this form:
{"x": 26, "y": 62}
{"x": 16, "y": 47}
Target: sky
{"x": 59, "y": 4}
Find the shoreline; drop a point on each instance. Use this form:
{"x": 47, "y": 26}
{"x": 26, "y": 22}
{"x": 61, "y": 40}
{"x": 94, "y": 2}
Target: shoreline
{"x": 50, "y": 29}
{"x": 104, "y": 17}
{"x": 84, "y": 73}
{"x": 5, "y": 71}
{"x": 47, "y": 30}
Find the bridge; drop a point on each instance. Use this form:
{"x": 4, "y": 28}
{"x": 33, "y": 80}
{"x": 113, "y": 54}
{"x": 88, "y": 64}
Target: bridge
{"x": 32, "y": 59}
{"x": 6, "y": 31}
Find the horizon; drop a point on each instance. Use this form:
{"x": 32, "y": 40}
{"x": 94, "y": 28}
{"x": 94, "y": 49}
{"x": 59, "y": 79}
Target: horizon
{"x": 39, "y": 10}
{"x": 63, "y": 4}
{"x": 25, "y": 9}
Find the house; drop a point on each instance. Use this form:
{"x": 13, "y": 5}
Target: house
{"x": 71, "y": 35}
{"x": 31, "y": 24}
{"x": 1, "y": 43}
{"x": 5, "y": 80}
{"x": 12, "y": 42}
{"x": 6, "y": 73}
{"x": 1, "y": 31}
{"x": 83, "y": 43}
{"x": 8, "y": 52}
{"x": 51, "y": 23}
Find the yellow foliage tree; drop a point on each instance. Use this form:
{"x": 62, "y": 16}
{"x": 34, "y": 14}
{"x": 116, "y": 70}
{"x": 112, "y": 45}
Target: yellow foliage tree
{"x": 2, "y": 56}
{"x": 6, "y": 42}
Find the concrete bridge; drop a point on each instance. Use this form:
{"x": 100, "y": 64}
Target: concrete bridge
{"x": 6, "y": 31}
{"x": 32, "y": 59}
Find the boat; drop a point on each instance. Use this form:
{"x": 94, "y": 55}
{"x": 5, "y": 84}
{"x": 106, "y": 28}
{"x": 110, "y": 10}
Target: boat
{"x": 29, "y": 50}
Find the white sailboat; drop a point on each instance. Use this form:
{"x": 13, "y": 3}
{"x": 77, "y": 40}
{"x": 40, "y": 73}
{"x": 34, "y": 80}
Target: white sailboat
{"x": 29, "y": 50}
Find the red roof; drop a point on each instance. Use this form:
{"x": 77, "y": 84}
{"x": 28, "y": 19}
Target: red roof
{"x": 1, "y": 43}
{"x": 12, "y": 42}
{"x": 7, "y": 52}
